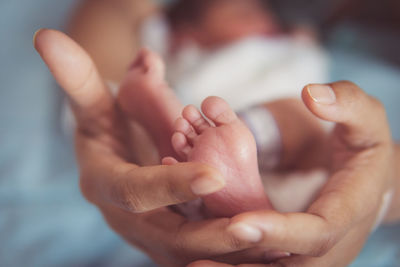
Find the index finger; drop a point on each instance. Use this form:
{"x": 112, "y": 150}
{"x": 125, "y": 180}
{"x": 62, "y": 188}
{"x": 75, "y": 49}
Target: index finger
{"x": 108, "y": 179}
{"x": 76, "y": 73}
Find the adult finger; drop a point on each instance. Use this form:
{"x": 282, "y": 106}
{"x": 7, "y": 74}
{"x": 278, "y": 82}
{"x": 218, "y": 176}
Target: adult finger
{"x": 180, "y": 238}
{"x": 361, "y": 117}
{"x": 251, "y": 255}
{"x": 105, "y": 178}
{"x": 342, "y": 254}
{"x": 362, "y": 147}
{"x": 298, "y": 233}
{"x": 76, "y": 73}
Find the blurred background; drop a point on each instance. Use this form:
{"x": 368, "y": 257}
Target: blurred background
{"x": 44, "y": 220}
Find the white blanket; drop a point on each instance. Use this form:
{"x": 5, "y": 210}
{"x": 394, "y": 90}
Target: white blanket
{"x": 250, "y": 71}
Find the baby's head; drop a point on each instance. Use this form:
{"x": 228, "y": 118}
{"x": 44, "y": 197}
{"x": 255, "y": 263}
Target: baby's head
{"x": 212, "y": 23}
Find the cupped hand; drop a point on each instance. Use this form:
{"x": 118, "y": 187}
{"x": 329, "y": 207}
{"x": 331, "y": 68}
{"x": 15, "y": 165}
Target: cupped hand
{"x": 133, "y": 199}
{"x": 337, "y": 224}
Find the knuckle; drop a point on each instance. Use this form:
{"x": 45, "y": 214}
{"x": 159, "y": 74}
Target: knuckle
{"x": 127, "y": 197}
{"x": 174, "y": 191}
{"x": 323, "y": 246}
{"x": 352, "y": 84}
{"x": 352, "y": 90}
{"x": 233, "y": 243}
{"x": 180, "y": 246}
{"x": 319, "y": 251}
{"x": 349, "y": 84}
{"x": 349, "y": 87}
{"x": 94, "y": 124}
{"x": 131, "y": 203}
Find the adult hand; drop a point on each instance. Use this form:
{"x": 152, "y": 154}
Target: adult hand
{"x": 132, "y": 199}
{"x": 337, "y": 224}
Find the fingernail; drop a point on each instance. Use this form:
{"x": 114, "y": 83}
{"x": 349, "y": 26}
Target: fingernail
{"x": 322, "y": 94}
{"x": 246, "y": 232}
{"x": 275, "y": 255}
{"x": 34, "y": 36}
{"x": 205, "y": 186}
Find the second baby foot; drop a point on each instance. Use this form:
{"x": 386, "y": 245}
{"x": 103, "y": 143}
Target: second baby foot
{"x": 146, "y": 97}
{"x": 222, "y": 141}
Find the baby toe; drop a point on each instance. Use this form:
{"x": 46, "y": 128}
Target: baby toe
{"x": 218, "y": 111}
{"x": 183, "y": 126}
{"x": 194, "y": 117}
{"x": 180, "y": 144}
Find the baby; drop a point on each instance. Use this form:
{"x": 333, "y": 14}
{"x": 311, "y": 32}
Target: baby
{"x": 212, "y": 24}
{"x": 235, "y": 49}
{"x": 219, "y": 138}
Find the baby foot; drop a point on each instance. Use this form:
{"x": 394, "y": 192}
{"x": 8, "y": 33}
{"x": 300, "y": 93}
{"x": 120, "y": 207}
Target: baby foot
{"x": 146, "y": 97}
{"x": 222, "y": 141}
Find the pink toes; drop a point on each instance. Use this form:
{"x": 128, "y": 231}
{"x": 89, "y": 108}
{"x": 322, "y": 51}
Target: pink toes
{"x": 181, "y": 145}
{"x": 184, "y": 127}
{"x": 194, "y": 117}
{"x": 193, "y": 123}
{"x": 218, "y": 111}
{"x": 183, "y": 138}
{"x": 148, "y": 62}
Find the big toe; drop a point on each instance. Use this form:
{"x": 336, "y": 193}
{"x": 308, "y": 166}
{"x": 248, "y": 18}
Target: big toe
{"x": 143, "y": 82}
{"x": 218, "y": 110}
{"x": 148, "y": 62}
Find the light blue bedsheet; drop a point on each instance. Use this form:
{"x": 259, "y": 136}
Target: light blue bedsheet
{"x": 44, "y": 221}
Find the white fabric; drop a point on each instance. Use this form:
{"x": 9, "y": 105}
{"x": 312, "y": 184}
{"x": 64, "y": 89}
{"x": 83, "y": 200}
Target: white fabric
{"x": 253, "y": 70}
{"x": 266, "y": 134}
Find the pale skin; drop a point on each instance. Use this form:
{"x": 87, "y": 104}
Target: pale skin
{"x": 133, "y": 198}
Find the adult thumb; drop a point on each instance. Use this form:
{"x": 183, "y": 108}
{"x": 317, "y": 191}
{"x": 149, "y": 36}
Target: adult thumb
{"x": 361, "y": 118}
